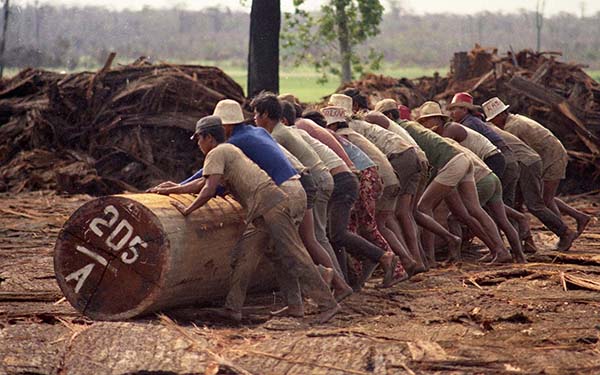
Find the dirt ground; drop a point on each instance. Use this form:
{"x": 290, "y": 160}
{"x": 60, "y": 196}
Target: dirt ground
{"x": 537, "y": 318}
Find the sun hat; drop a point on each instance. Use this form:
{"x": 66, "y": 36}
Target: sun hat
{"x": 431, "y": 109}
{"x": 386, "y": 105}
{"x": 334, "y": 114}
{"x": 462, "y": 99}
{"x": 229, "y": 111}
{"x": 341, "y": 100}
{"x": 205, "y": 123}
{"x": 493, "y": 108}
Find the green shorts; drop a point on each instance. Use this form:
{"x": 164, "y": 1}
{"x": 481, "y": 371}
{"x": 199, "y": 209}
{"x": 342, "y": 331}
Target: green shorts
{"x": 489, "y": 189}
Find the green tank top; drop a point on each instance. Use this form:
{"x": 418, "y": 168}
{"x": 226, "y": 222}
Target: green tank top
{"x": 436, "y": 148}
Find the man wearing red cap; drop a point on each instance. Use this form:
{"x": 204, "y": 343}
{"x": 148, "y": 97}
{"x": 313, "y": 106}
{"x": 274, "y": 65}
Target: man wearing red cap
{"x": 463, "y": 111}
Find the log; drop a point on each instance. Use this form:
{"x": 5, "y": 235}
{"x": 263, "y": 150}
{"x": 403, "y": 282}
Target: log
{"x": 118, "y": 257}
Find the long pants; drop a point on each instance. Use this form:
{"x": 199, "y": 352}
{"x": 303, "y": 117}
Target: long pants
{"x": 293, "y": 266}
{"x": 362, "y": 217}
{"x": 324, "y": 183}
{"x": 510, "y": 181}
{"x": 345, "y": 194}
{"x": 530, "y": 182}
{"x": 496, "y": 163}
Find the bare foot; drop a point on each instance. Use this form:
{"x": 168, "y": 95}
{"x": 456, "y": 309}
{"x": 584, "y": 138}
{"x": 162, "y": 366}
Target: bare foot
{"x": 398, "y": 277}
{"x": 486, "y": 258}
{"x": 524, "y": 229}
{"x": 368, "y": 268}
{"x": 342, "y": 293}
{"x": 582, "y": 223}
{"x": 454, "y": 247}
{"x": 501, "y": 257}
{"x": 326, "y": 315}
{"x": 566, "y": 240}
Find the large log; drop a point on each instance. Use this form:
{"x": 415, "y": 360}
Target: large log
{"x": 122, "y": 256}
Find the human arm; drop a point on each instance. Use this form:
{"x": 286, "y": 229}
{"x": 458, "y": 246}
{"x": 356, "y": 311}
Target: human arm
{"x": 191, "y": 187}
{"x": 208, "y": 191}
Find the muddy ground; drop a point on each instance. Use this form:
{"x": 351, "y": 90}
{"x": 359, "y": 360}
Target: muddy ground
{"x": 538, "y": 318}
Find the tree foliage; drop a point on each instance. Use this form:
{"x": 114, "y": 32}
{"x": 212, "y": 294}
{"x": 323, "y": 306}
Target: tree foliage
{"x": 333, "y": 39}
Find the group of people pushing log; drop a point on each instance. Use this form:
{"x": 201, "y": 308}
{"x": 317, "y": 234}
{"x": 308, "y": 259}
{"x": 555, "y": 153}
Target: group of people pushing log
{"x": 318, "y": 186}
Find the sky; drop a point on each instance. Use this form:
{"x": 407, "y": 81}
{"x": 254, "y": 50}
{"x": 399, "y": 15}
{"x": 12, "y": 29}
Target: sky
{"x": 590, "y": 7}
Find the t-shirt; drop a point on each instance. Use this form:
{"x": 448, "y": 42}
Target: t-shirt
{"x": 522, "y": 153}
{"x": 386, "y": 171}
{"x": 402, "y": 133}
{"x": 438, "y": 150}
{"x": 327, "y": 156}
{"x": 476, "y": 124}
{"x": 257, "y": 144}
{"x": 385, "y": 140}
{"x": 477, "y": 143}
{"x": 297, "y": 146}
{"x": 298, "y": 166}
{"x": 324, "y": 136}
{"x": 361, "y": 160}
{"x": 537, "y": 137}
{"x": 248, "y": 183}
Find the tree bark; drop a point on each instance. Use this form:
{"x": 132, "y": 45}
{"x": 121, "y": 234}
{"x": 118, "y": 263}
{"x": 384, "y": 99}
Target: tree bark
{"x": 3, "y": 41}
{"x": 263, "y": 51}
{"x": 344, "y": 41}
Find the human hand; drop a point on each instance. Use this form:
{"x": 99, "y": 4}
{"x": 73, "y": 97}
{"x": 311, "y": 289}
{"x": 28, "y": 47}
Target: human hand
{"x": 180, "y": 207}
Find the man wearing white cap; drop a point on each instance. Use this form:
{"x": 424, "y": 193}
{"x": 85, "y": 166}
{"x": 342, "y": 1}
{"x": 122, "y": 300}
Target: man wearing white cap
{"x": 269, "y": 210}
{"x": 553, "y": 154}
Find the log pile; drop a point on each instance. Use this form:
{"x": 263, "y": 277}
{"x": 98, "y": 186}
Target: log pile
{"x": 559, "y": 95}
{"x": 119, "y": 129}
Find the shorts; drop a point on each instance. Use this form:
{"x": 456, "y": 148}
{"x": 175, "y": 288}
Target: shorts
{"x": 389, "y": 198}
{"x": 408, "y": 167}
{"x": 458, "y": 169}
{"x": 489, "y": 190}
{"x": 556, "y": 170}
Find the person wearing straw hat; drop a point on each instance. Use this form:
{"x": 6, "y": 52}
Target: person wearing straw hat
{"x": 453, "y": 183}
{"x": 267, "y": 114}
{"x": 530, "y": 185}
{"x": 270, "y": 214}
{"x": 405, "y": 158}
{"x": 553, "y": 154}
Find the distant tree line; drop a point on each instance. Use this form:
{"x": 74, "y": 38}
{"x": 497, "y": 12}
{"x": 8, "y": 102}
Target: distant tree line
{"x": 82, "y": 37}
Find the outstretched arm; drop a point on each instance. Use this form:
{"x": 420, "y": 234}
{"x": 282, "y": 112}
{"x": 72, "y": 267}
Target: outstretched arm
{"x": 208, "y": 191}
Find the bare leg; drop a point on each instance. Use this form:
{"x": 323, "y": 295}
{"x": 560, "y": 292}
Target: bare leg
{"x": 582, "y": 218}
{"x": 432, "y": 197}
{"x": 432, "y": 227}
{"x": 549, "y": 192}
{"x": 404, "y": 215}
{"x": 498, "y": 213}
{"x": 318, "y": 254}
{"x": 383, "y": 219}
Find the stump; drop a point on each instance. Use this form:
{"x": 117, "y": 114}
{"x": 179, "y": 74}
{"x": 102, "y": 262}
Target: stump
{"x": 121, "y": 256}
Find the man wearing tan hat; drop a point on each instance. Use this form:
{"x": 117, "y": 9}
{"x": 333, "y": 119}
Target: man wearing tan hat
{"x": 553, "y": 154}
{"x": 454, "y": 182}
{"x": 270, "y": 212}
{"x": 408, "y": 165}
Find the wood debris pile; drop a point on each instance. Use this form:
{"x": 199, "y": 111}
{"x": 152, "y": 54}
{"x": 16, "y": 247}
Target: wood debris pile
{"x": 559, "y": 95}
{"x": 101, "y": 133}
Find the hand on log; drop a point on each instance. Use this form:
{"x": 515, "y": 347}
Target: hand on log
{"x": 180, "y": 207}
{"x": 163, "y": 185}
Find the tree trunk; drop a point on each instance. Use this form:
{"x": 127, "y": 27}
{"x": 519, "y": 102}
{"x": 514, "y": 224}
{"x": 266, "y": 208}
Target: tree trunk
{"x": 3, "y": 41}
{"x": 121, "y": 256}
{"x": 263, "y": 52}
{"x": 344, "y": 40}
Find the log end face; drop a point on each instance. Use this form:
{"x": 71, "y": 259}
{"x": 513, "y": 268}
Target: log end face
{"x": 109, "y": 258}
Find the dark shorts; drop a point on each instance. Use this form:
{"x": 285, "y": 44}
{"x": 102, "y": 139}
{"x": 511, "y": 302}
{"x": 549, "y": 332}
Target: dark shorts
{"x": 408, "y": 168}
